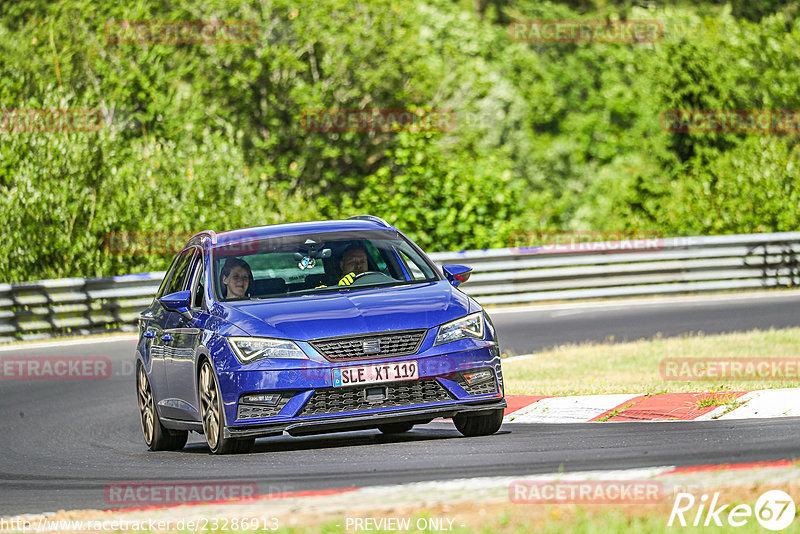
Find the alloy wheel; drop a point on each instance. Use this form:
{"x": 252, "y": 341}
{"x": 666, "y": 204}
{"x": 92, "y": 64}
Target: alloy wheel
{"x": 209, "y": 404}
{"x": 146, "y": 406}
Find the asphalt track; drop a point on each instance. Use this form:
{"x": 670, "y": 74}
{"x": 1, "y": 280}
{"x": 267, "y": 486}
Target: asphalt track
{"x": 63, "y": 442}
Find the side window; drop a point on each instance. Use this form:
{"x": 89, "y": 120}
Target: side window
{"x": 179, "y": 279}
{"x": 198, "y": 284}
{"x": 413, "y": 269}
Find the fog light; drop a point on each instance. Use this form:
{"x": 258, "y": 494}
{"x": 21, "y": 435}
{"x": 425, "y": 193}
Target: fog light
{"x": 265, "y": 399}
{"x": 477, "y": 376}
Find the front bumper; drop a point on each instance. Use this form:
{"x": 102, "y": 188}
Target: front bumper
{"x": 308, "y": 397}
{"x": 362, "y": 422}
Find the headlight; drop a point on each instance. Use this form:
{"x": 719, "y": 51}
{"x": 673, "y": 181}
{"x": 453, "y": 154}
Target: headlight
{"x": 470, "y": 326}
{"x": 250, "y": 349}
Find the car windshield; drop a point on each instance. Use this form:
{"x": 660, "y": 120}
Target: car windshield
{"x": 316, "y": 263}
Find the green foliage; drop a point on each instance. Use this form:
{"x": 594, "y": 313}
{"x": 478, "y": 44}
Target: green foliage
{"x": 754, "y": 188}
{"x": 547, "y": 136}
{"x": 202, "y": 136}
{"x": 599, "y": 156}
{"x": 446, "y": 204}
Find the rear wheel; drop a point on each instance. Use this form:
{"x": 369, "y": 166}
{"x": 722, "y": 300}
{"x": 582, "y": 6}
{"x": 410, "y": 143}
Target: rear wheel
{"x": 214, "y": 416}
{"x": 156, "y": 436}
{"x": 479, "y": 425}
{"x": 396, "y": 428}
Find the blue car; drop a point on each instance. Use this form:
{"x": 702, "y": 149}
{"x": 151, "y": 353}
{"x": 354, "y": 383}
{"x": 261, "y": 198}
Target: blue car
{"x": 312, "y": 327}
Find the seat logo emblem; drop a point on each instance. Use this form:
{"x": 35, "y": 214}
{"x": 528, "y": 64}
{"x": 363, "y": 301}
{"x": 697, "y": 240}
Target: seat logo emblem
{"x": 371, "y": 346}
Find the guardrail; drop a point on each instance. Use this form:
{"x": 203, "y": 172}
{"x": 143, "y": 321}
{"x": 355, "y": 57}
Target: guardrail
{"x": 40, "y": 309}
{"x": 622, "y": 269}
{"x": 33, "y": 310}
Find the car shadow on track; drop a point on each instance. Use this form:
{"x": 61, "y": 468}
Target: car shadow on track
{"x": 359, "y": 438}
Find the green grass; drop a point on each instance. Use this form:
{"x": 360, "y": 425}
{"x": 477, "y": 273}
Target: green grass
{"x": 633, "y": 367}
{"x": 714, "y": 400}
{"x": 615, "y": 412}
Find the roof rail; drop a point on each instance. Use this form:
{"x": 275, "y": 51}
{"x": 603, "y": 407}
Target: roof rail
{"x": 372, "y": 218}
{"x": 211, "y": 233}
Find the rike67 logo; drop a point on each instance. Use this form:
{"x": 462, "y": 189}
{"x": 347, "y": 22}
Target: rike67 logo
{"x": 774, "y": 510}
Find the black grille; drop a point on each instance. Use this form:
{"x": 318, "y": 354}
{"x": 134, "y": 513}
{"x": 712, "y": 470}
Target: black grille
{"x": 340, "y": 400}
{"x": 253, "y": 411}
{"x": 400, "y": 343}
{"x": 487, "y": 387}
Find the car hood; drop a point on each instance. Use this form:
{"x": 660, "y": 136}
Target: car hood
{"x": 358, "y": 311}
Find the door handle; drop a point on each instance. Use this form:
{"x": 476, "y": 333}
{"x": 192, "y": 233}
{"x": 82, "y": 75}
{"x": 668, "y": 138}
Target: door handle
{"x": 166, "y": 337}
{"x": 149, "y": 334}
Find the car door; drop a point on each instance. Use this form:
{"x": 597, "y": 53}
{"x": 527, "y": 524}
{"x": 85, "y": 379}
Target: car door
{"x": 186, "y": 334}
{"x": 162, "y": 324}
{"x": 152, "y": 323}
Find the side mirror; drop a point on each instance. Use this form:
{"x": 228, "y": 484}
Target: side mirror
{"x": 178, "y": 302}
{"x": 457, "y": 274}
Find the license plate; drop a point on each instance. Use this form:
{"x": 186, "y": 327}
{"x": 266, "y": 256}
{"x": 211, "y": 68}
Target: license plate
{"x": 375, "y": 373}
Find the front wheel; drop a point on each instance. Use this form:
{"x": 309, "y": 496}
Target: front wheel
{"x": 156, "y": 436}
{"x": 479, "y": 425}
{"x": 214, "y": 416}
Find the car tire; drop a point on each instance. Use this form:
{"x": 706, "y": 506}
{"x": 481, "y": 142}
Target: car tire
{"x": 156, "y": 436}
{"x": 396, "y": 428}
{"x": 213, "y": 415}
{"x": 479, "y": 425}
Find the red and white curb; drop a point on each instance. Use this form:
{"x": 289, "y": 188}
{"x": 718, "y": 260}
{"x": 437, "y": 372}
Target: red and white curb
{"x": 761, "y": 404}
{"x": 661, "y": 407}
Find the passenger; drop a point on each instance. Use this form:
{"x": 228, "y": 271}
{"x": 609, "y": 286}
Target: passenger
{"x": 353, "y": 263}
{"x": 237, "y": 279}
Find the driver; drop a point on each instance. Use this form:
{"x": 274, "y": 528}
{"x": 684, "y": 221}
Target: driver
{"x": 353, "y": 262}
